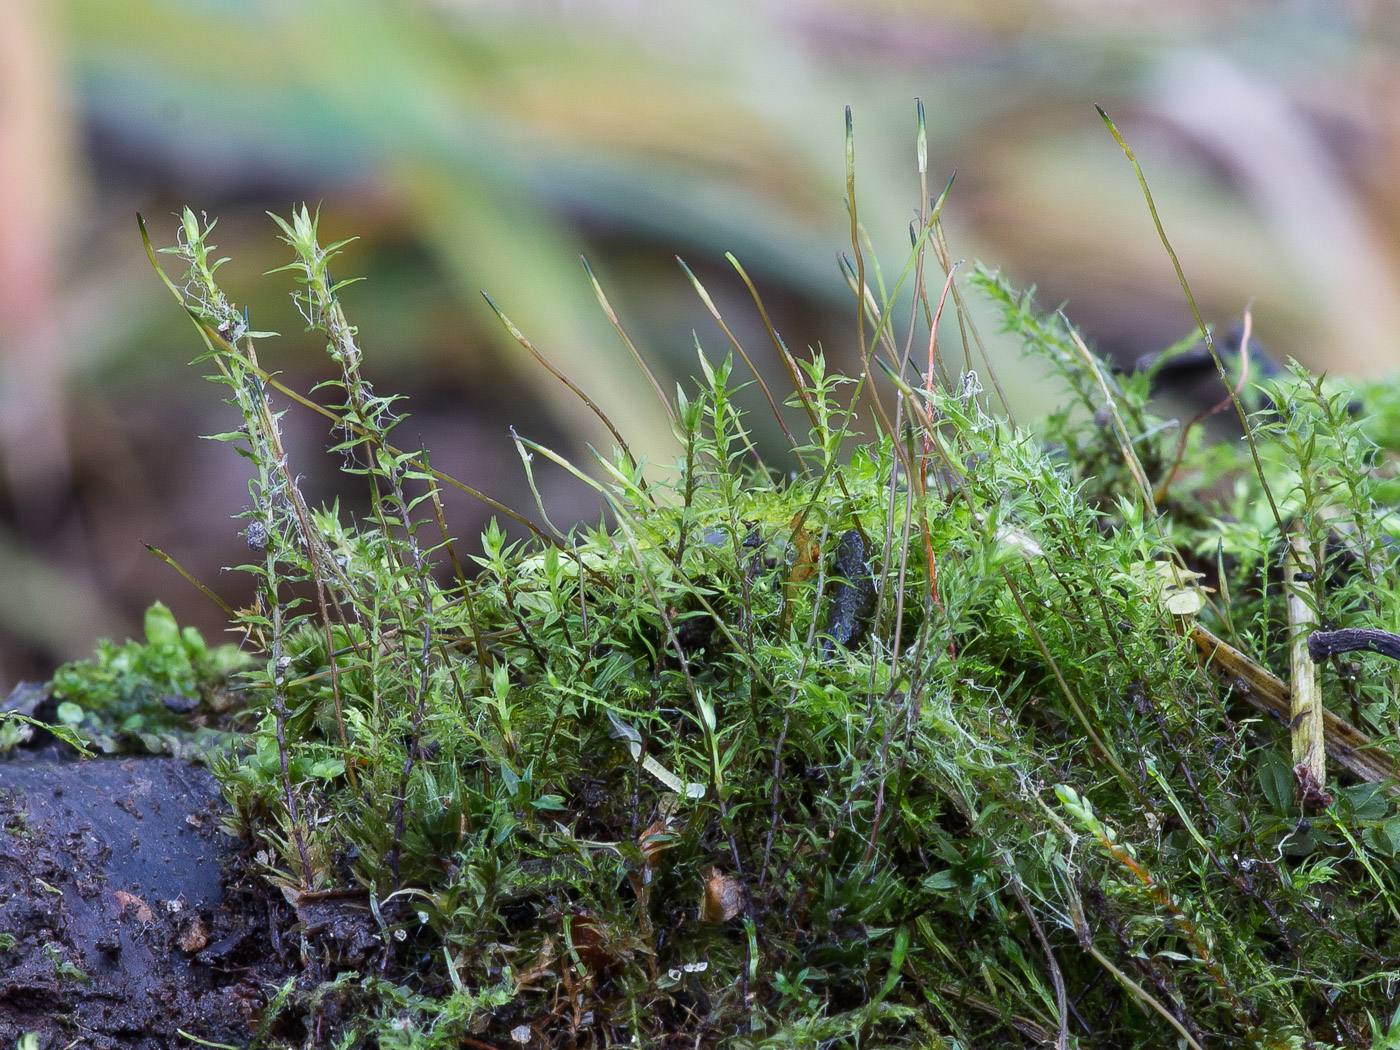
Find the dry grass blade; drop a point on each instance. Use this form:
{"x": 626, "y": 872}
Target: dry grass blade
{"x": 1305, "y": 721}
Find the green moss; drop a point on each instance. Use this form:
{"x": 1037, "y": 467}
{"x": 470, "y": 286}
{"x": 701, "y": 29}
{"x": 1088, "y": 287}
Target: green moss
{"x": 631, "y": 784}
{"x": 142, "y": 694}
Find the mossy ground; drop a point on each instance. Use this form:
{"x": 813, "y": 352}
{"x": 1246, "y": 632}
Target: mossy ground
{"x": 899, "y": 741}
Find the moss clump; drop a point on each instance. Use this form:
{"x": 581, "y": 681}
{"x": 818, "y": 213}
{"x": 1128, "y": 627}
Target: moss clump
{"x": 902, "y": 741}
{"x": 148, "y": 695}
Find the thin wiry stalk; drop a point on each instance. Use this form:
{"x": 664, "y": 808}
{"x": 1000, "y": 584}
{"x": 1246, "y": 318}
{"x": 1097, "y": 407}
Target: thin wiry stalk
{"x": 1195, "y": 311}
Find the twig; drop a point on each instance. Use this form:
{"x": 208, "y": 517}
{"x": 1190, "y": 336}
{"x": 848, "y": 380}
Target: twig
{"x": 1322, "y": 644}
{"x": 1345, "y": 744}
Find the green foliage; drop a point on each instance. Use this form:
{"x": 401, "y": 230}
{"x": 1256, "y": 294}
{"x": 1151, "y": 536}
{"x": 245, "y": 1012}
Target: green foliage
{"x": 901, "y": 745}
{"x": 142, "y": 693}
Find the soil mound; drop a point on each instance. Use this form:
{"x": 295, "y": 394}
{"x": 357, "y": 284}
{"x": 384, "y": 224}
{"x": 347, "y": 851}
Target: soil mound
{"x": 119, "y": 923}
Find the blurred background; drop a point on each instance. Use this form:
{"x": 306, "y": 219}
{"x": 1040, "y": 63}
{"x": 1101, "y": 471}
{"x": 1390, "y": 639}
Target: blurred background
{"x": 485, "y": 144}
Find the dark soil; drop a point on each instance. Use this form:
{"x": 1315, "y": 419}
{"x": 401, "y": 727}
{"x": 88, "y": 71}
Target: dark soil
{"x": 122, "y": 921}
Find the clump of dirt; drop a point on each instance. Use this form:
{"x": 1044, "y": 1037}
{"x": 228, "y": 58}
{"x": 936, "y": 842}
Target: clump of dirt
{"x": 123, "y": 921}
